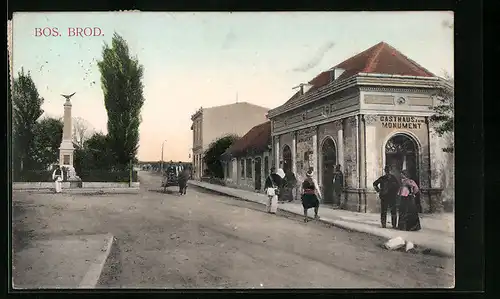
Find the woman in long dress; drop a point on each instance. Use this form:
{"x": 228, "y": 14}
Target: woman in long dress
{"x": 408, "y": 210}
{"x": 310, "y": 195}
{"x": 272, "y": 187}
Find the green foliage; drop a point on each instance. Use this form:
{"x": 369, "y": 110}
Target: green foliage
{"x": 443, "y": 118}
{"x": 213, "y": 153}
{"x": 26, "y": 110}
{"x": 94, "y": 155}
{"x": 33, "y": 176}
{"x": 121, "y": 82}
{"x": 107, "y": 176}
{"x": 47, "y": 139}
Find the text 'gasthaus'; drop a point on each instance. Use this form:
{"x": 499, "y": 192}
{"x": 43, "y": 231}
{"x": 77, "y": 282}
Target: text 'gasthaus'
{"x": 70, "y": 32}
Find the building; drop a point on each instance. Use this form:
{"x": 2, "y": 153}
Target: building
{"x": 247, "y": 161}
{"x": 215, "y": 122}
{"x": 369, "y": 111}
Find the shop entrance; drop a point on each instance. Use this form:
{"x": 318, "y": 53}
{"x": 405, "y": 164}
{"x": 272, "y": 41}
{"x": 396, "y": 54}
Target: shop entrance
{"x": 328, "y": 162}
{"x": 401, "y": 152}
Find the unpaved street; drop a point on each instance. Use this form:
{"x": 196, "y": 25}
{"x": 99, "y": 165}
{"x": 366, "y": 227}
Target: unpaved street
{"x": 203, "y": 240}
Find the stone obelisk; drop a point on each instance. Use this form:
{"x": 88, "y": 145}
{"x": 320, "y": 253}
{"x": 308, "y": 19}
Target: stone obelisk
{"x": 66, "y": 149}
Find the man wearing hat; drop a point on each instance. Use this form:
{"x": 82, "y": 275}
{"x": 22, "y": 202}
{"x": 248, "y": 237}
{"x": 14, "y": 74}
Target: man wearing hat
{"x": 387, "y": 187}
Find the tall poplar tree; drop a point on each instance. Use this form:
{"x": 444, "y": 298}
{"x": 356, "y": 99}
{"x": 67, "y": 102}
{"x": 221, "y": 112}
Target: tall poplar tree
{"x": 121, "y": 82}
{"x": 26, "y": 110}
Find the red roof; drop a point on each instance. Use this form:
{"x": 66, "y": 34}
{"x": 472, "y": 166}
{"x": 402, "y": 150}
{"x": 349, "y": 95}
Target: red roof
{"x": 256, "y": 140}
{"x": 379, "y": 59}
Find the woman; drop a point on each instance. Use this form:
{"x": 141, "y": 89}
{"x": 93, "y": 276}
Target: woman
{"x": 272, "y": 187}
{"x": 57, "y": 178}
{"x": 310, "y": 195}
{"x": 408, "y": 211}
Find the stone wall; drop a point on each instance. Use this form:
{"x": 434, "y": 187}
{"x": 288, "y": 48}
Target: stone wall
{"x": 244, "y": 182}
{"x": 305, "y": 153}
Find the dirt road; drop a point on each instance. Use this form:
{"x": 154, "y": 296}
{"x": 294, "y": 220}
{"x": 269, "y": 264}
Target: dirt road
{"x": 203, "y": 240}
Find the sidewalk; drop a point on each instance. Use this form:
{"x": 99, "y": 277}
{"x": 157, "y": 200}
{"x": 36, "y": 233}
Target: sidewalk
{"x": 437, "y": 232}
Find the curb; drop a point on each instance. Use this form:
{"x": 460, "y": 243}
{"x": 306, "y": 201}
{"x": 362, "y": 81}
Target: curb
{"x": 93, "y": 275}
{"x": 89, "y": 191}
{"x": 346, "y": 226}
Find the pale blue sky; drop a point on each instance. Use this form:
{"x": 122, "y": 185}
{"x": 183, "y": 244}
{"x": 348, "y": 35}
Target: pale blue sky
{"x": 204, "y": 59}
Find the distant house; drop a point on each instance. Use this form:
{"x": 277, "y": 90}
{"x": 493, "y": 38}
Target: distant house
{"x": 246, "y": 162}
{"x": 215, "y": 122}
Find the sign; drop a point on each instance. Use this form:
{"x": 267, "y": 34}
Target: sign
{"x": 402, "y": 122}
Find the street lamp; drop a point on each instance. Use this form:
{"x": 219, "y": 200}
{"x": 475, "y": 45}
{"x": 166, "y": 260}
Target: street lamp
{"x": 162, "y": 146}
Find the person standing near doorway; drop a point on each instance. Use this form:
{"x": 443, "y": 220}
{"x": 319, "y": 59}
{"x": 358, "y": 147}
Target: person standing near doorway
{"x": 272, "y": 187}
{"x": 338, "y": 185}
{"x": 387, "y": 187}
{"x": 408, "y": 211}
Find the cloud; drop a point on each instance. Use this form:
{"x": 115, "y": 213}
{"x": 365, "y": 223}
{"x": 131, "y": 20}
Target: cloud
{"x": 316, "y": 59}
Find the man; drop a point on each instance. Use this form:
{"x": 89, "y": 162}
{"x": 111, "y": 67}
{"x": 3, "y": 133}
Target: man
{"x": 387, "y": 187}
{"x": 338, "y": 185}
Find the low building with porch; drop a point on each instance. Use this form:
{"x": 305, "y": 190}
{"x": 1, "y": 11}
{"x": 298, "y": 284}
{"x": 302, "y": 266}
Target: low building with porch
{"x": 246, "y": 162}
{"x": 369, "y": 111}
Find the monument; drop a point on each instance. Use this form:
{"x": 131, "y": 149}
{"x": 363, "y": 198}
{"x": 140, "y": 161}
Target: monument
{"x": 67, "y": 149}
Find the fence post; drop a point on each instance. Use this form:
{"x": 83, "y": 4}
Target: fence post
{"x": 130, "y": 174}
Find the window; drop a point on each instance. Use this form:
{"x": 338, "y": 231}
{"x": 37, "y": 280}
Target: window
{"x": 249, "y": 168}
{"x": 242, "y": 168}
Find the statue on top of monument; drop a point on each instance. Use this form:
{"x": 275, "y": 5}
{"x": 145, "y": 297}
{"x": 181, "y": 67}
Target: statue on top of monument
{"x": 67, "y": 97}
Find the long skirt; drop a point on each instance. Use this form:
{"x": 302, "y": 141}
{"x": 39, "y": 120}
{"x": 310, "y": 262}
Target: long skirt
{"x": 408, "y": 214}
{"x": 272, "y": 204}
{"x": 58, "y": 186}
{"x": 310, "y": 201}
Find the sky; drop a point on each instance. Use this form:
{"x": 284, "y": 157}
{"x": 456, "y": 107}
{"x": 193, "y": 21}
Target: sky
{"x": 194, "y": 60}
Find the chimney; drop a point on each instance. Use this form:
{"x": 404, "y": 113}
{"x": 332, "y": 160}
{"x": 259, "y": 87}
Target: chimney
{"x": 335, "y": 73}
{"x": 301, "y": 89}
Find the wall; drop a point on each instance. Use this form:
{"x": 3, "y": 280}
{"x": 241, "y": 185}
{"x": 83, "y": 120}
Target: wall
{"x": 236, "y": 119}
{"x": 237, "y": 181}
{"x": 304, "y": 150}
{"x": 322, "y": 111}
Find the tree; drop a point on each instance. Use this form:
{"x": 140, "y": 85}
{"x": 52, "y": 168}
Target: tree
{"x": 82, "y": 130}
{"x": 214, "y": 152}
{"x": 47, "y": 139}
{"x": 26, "y": 110}
{"x": 121, "y": 82}
{"x": 443, "y": 117}
{"x": 94, "y": 155}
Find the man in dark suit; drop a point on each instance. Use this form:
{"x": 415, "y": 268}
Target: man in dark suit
{"x": 387, "y": 187}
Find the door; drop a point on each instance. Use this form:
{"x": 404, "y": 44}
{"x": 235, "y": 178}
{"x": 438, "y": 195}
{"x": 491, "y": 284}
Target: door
{"x": 258, "y": 174}
{"x": 329, "y": 160}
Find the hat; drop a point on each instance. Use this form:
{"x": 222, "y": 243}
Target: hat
{"x": 309, "y": 173}
{"x": 281, "y": 173}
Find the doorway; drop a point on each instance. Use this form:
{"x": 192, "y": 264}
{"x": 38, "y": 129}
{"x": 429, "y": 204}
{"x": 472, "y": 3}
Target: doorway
{"x": 401, "y": 152}
{"x": 287, "y": 159}
{"x": 328, "y": 162}
{"x": 258, "y": 174}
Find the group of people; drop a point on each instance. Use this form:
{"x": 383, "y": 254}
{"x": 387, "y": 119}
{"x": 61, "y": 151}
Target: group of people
{"x": 278, "y": 182}
{"x": 403, "y": 216}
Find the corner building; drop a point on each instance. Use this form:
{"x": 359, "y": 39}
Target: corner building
{"x": 369, "y": 111}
